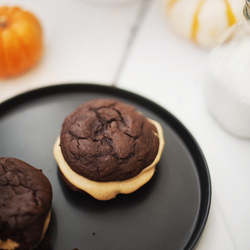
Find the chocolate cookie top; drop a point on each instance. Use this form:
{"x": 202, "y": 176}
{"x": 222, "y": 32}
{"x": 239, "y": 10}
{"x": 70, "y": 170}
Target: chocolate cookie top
{"x": 25, "y": 201}
{"x": 107, "y": 140}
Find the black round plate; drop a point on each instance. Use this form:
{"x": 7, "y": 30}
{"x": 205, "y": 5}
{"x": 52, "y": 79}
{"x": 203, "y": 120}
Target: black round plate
{"x": 169, "y": 212}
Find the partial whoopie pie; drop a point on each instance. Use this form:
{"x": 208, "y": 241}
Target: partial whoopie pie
{"x": 25, "y": 204}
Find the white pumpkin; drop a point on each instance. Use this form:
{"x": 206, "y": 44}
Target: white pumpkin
{"x": 203, "y": 21}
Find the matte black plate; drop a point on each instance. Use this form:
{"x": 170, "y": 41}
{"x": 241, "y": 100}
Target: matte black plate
{"x": 169, "y": 212}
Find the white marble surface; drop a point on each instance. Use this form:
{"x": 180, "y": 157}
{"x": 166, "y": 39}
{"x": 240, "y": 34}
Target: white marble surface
{"x": 131, "y": 45}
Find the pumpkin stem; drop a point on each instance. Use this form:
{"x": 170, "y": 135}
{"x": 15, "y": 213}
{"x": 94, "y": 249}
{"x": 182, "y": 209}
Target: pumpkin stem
{"x": 246, "y": 10}
{"x": 3, "y": 21}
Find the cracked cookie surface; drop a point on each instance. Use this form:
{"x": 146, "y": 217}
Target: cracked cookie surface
{"x": 106, "y": 140}
{"x": 25, "y": 203}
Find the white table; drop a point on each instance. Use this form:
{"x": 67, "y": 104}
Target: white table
{"x": 131, "y": 45}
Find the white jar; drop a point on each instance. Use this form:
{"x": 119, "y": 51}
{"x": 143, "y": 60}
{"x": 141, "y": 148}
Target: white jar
{"x": 227, "y": 86}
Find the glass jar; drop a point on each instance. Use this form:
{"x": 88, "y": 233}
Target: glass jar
{"x": 227, "y": 86}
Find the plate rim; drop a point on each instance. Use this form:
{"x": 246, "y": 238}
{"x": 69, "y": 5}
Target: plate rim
{"x": 179, "y": 128}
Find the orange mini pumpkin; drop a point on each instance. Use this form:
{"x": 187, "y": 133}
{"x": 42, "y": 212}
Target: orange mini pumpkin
{"x": 21, "y": 41}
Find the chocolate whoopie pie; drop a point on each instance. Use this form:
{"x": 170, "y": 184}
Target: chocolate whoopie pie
{"x": 25, "y": 205}
{"x": 107, "y": 147}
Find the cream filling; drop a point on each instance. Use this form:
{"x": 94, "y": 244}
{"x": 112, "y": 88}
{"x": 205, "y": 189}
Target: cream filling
{"x": 46, "y": 225}
{"x": 109, "y": 190}
{"x": 11, "y": 245}
{"x": 8, "y": 244}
